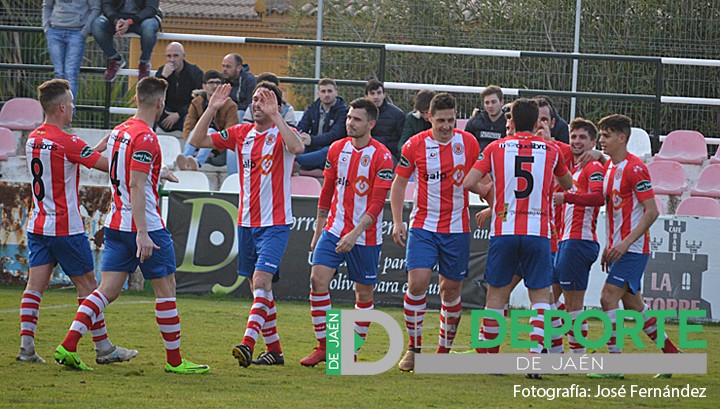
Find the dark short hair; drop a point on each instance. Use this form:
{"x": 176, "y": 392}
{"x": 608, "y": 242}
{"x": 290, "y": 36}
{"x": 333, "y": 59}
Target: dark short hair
{"x": 524, "y": 114}
{"x": 442, "y": 101}
{"x": 491, "y": 90}
{"x": 150, "y": 89}
{"x": 371, "y": 110}
{"x": 373, "y": 85}
{"x": 327, "y": 81}
{"x": 50, "y": 92}
{"x": 422, "y": 99}
{"x": 272, "y": 87}
{"x": 616, "y": 123}
{"x": 212, "y": 75}
{"x": 545, "y": 101}
{"x": 237, "y": 57}
{"x": 587, "y": 125}
{"x": 269, "y": 77}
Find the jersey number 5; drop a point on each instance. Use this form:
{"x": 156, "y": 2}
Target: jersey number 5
{"x": 521, "y": 173}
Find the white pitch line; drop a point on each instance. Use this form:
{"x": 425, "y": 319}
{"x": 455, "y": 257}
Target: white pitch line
{"x": 52, "y": 307}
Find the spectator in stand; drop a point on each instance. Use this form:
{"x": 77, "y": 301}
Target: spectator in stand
{"x": 390, "y": 121}
{"x": 183, "y": 78}
{"x": 243, "y": 82}
{"x": 417, "y": 120}
{"x": 560, "y": 130}
{"x": 141, "y": 17}
{"x": 488, "y": 124}
{"x": 322, "y": 124}
{"x": 224, "y": 118}
{"x": 66, "y": 24}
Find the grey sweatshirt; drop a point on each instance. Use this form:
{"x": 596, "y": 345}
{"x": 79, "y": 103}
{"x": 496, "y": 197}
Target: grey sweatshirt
{"x": 70, "y": 14}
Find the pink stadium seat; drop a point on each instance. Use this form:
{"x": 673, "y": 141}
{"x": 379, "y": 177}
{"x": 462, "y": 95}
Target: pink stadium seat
{"x": 8, "y": 143}
{"x": 684, "y": 147}
{"x": 698, "y": 206}
{"x": 708, "y": 183}
{"x": 660, "y": 206}
{"x": 460, "y": 124}
{"x": 21, "y": 114}
{"x": 716, "y": 157}
{"x": 668, "y": 177}
{"x": 305, "y": 186}
{"x": 410, "y": 192}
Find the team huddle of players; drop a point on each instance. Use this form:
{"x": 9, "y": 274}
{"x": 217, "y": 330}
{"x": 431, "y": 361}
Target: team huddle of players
{"x": 540, "y": 193}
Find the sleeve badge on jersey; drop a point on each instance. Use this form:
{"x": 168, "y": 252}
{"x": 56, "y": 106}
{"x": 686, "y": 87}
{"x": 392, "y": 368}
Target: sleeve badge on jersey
{"x": 481, "y": 156}
{"x": 142, "y": 156}
{"x": 458, "y": 148}
{"x": 643, "y": 186}
{"x": 404, "y": 162}
{"x": 86, "y": 152}
{"x": 597, "y": 177}
{"x": 224, "y": 134}
{"x": 385, "y": 174}
{"x": 328, "y": 165}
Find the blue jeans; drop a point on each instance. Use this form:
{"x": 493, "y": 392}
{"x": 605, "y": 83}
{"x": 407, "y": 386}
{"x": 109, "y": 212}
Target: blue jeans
{"x": 66, "y": 49}
{"x": 104, "y": 32}
{"x": 313, "y": 160}
{"x": 202, "y": 156}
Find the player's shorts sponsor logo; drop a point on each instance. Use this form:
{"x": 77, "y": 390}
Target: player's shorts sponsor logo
{"x": 327, "y": 164}
{"x": 362, "y": 186}
{"x": 365, "y": 160}
{"x": 643, "y": 186}
{"x": 404, "y": 162}
{"x": 458, "y": 148}
{"x": 385, "y": 174}
{"x": 224, "y": 134}
{"x": 597, "y": 177}
{"x": 142, "y": 156}
{"x": 266, "y": 164}
{"x": 86, "y": 152}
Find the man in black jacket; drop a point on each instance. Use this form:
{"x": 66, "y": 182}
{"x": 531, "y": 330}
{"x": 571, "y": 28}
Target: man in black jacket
{"x": 323, "y": 123}
{"x": 488, "y": 124}
{"x": 243, "y": 82}
{"x": 183, "y": 78}
{"x": 118, "y": 17}
{"x": 390, "y": 121}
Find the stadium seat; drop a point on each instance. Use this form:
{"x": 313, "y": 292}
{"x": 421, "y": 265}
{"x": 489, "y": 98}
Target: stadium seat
{"x": 699, "y": 206}
{"x": 189, "y": 180}
{"x": 410, "y": 192}
{"x": 314, "y": 173}
{"x": 708, "y": 184}
{"x": 668, "y": 177}
{"x": 21, "y": 114}
{"x": 305, "y": 186}
{"x": 639, "y": 143}
{"x": 716, "y": 157}
{"x": 170, "y": 147}
{"x": 660, "y": 205}
{"x": 460, "y": 124}
{"x": 683, "y": 146}
{"x": 8, "y": 143}
{"x": 231, "y": 184}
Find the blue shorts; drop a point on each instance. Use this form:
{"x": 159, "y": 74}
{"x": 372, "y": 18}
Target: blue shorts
{"x": 573, "y": 262}
{"x": 261, "y": 248}
{"x": 71, "y": 252}
{"x": 525, "y": 256}
{"x": 449, "y": 251}
{"x": 121, "y": 254}
{"x": 362, "y": 261}
{"x": 629, "y": 269}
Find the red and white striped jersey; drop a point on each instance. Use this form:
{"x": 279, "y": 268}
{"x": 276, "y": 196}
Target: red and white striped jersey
{"x": 133, "y": 146}
{"x": 52, "y": 157}
{"x": 440, "y": 203}
{"x": 265, "y": 169}
{"x": 522, "y": 167}
{"x": 556, "y": 221}
{"x": 580, "y": 222}
{"x": 356, "y": 174}
{"x": 626, "y": 185}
